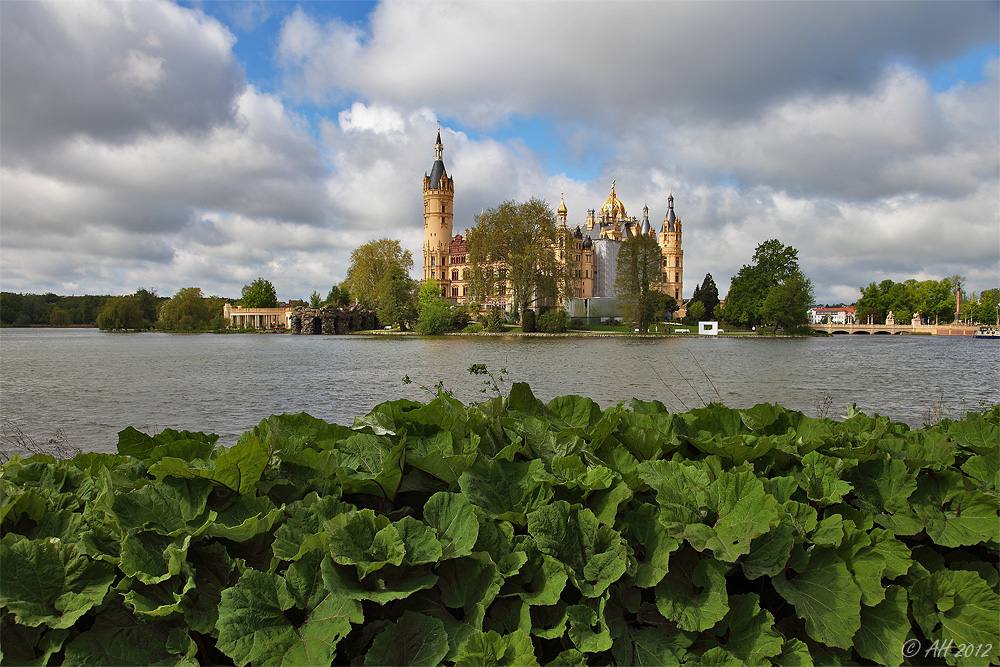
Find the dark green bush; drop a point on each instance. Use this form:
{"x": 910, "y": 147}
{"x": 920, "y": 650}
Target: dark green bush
{"x": 553, "y": 321}
{"x": 528, "y": 323}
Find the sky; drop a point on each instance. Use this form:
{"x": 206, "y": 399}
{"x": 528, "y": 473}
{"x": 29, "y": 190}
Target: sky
{"x": 164, "y": 145}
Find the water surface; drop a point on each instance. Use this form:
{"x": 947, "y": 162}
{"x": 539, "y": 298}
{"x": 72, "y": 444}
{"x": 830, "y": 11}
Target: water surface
{"x": 87, "y": 385}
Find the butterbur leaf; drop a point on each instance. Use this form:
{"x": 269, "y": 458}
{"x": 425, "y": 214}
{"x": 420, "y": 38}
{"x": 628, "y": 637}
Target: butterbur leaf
{"x": 884, "y": 629}
{"x": 744, "y": 512}
{"x": 820, "y": 478}
{"x": 387, "y": 584}
{"x": 650, "y": 647}
{"x": 825, "y": 597}
{"x": 48, "y": 582}
{"x": 505, "y": 490}
{"x": 594, "y": 554}
{"x": 365, "y": 540}
{"x": 769, "y": 553}
{"x": 466, "y": 582}
{"x": 970, "y": 517}
{"x": 751, "y": 634}
{"x": 587, "y": 629}
{"x": 257, "y": 623}
{"x": 419, "y": 541}
{"x": 491, "y": 648}
{"x": 454, "y": 521}
{"x": 152, "y": 558}
{"x": 246, "y": 517}
{"x": 371, "y": 464}
{"x": 119, "y": 637}
{"x": 959, "y": 608}
{"x": 652, "y": 544}
{"x": 693, "y": 592}
{"x": 415, "y": 640}
{"x": 303, "y": 530}
{"x": 171, "y": 507}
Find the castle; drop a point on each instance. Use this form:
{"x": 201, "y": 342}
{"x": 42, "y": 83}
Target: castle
{"x": 593, "y": 247}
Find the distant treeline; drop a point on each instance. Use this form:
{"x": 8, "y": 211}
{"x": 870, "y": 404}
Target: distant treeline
{"x": 188, "y": 310}
{"x": 24, "y": 310}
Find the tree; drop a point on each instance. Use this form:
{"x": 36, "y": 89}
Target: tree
{"x": 187, "y": 310}
{"x": 395, "y": 299}
{"x": 512, "y": 252}
{"x": 338, "y": 296}
{"x": 985, "y": 311}
{"x": 772, "y": 263}
{"x": 121, "y": 313}
{"x": 149, "y": 304}
{"x": 659, "y": 305}
{"x": 638, "y": 266}
{"x": 707, "y": 293}
{"x": 370, "y": 263}
{"x": 433, "y": 311}
{"x": 695, "y": 311}
{"x": 59, "y": 317}
{"x": 260, "y": 294}
{"x": 787, "y": 303}
{"x": 553, "y": 320}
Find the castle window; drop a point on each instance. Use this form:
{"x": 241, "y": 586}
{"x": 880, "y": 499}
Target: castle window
{"x": 677, "y": 261}
{"x": 586, "y": 273}
{"x": 454, "y": 291}
{"x": 432, "y": 274}
{"x": 677, "y": 277}
{"x": 442, "y": 220}
{"x": 444, "y": 208}
{"x": 465, "y": 290}
{"x": 454, "y": 275}
{"x": 432, "y": 260}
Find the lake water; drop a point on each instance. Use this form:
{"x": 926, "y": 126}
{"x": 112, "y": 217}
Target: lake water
{"x": 85, "y": 385}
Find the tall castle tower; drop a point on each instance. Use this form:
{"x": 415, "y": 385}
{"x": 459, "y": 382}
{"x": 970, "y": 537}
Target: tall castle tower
{"x": 672, "y": 267}
{"x": 439, "y": 198}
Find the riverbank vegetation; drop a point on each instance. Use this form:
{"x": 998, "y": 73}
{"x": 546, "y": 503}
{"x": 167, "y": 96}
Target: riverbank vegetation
{"x": 512, "y": 531}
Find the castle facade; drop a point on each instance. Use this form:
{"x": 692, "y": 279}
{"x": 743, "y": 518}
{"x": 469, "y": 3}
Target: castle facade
{"x": 591, "y": 248}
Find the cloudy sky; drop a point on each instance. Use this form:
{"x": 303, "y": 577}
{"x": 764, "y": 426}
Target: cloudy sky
{"x": 165, "y": 145}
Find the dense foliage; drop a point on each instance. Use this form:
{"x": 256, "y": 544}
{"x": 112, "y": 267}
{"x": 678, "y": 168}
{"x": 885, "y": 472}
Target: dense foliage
{"x": 370, "y": 263}
{"x": 934, "y": 300}
{"x": 260, "y": 294}
{"x": 515, "y": 251}
{"x": 24, "y": 310}
{"x": 120, "y": 313}
{"x": 637, "y": 269}
{"x": 190, "y": 310}
{"x": 511, "y": 532}
{"x": 773, "y": 266}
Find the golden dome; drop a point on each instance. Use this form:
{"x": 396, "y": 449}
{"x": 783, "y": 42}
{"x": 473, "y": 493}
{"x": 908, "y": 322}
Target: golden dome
{"x": 562, "y": 205}
{"x": 613, "y": 207}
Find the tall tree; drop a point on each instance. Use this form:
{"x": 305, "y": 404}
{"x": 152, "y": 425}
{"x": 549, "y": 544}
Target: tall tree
{"x": 260, "y": 294}
{"x": 708, "y": 294}
{"x": 514, "y": 247}
{"x": 121, "y": 313}
{"x": 434, "y": 311}
{"x": 149, "y": 304}
{"x": 372, "y": 262}
{"x": 187, "y": 310}
{"x": 787, "y": 303}
{"x": 338, "y": 296}
{"x": 772, "y": 263}
{"x": 395, "y": 299}
{"x": 638, "y": 267}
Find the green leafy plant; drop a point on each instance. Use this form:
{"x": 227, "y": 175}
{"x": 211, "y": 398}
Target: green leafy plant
{"x": 512, "y": 532}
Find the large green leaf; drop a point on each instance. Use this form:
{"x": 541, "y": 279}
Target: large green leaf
{"x": 365, "y": 540}
{"x": 750, "y": 631}
{"x": 825, "y": 596}
{"x": 371, "y": 464}
{"x": 414, "y": 640}
{"x": 505, "y": 490}
{"x": 594, "y": 554}
{"x": 172, "y": 506}
{"x": 490, "y": 648}
{"x": 51, "y": 583}
{"x": 884, "y": 629}
{"x": 454, "y": 521}
{"x": 303, "y": 531}
{"x": 693, "y": 593}
{"x": 959, "y": 609}
{"x": 118, "y": 637}
{"x": 257, "y": 623}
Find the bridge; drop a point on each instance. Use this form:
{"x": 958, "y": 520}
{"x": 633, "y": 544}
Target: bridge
{"x": 897, "y": 329}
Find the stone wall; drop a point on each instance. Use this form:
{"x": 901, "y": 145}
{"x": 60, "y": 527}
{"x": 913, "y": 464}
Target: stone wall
{"x": 331, "y": 320}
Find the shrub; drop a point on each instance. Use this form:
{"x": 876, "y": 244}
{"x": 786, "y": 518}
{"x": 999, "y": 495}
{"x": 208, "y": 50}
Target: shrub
{"x": 528, "y": 323}
{"x": 494, "y": 320}
{"x": 473, "y": 327}
{"x": 553, "y": 321}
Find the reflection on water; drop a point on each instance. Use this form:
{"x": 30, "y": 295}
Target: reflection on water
{"x": 90, "y": 385}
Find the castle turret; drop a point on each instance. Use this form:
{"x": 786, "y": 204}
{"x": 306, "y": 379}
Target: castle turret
{"x": 439, "y": 198}
{"x": 672, "y": 266}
